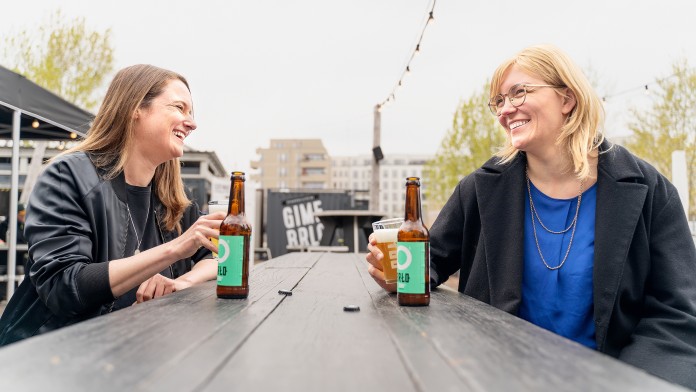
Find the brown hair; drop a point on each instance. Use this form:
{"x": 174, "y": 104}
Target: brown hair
{"x": 111, "y": 134}
{"x": 582, "y": 132}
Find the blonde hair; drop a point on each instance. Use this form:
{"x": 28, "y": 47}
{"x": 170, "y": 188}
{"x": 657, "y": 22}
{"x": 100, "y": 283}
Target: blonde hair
{"x": 582, "y": 132}
{"x": 111, "y": 134}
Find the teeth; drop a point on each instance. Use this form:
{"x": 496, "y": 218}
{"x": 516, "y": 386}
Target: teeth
{"x": 517, "y": 124}
{"x": 180, "y": 134}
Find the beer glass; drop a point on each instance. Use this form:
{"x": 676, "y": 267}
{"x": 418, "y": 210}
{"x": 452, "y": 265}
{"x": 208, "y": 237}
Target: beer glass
{"x": 215, "y": 206}
{"x": 385, "y": 234}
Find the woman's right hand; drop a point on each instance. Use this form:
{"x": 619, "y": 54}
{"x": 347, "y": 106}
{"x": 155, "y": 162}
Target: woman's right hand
{"x": 198, "y": 235}
{"x": 374, "y": 258}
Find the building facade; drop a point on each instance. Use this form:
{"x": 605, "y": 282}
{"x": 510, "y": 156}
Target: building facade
{"x": 198, "y": 170}
{"x": 293, "y": 164}
{"x": 354, "y": 173}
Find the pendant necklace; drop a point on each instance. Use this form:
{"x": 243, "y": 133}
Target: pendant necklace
{"x": 138, "y": 239}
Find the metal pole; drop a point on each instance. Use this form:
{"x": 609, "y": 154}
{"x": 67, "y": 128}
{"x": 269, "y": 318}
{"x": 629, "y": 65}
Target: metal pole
{"x": 14, "y": 192}
{"x": 374, "y": 183}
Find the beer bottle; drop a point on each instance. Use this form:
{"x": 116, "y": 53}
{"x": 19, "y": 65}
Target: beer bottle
{"x": 233, "y": 245}
{"x": 413, "y": 251}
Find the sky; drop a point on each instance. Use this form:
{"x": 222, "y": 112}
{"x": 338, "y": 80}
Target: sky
{"x": 263, "y": 69}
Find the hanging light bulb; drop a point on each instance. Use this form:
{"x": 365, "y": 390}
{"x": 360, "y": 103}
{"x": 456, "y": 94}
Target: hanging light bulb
{"x": 647, "y": 92}
{"x": 408, "y": 69}
{"x": 431, "y": 18}
{"x": 417, "y": 49}
{"x": 35, "y": 123}
{"x": 73, "y": 135}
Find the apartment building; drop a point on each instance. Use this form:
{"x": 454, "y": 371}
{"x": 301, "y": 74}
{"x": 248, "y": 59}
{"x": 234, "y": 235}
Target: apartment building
{"x": 355, "y": 173}
{"x": 293, "y": 164}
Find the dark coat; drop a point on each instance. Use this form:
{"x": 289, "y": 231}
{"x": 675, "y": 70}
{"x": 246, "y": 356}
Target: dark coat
{"x": 644, "y": 274}
{"x": 77, "y": 222}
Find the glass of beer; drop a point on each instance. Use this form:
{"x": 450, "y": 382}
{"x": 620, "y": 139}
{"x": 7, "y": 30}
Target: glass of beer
{"x": 214, "y": 206}
{"x": 385, "y": 234}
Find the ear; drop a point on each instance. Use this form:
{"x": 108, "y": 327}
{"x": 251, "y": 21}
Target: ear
{"x": 136, "y": 114}
{"x": 569, "y": 101}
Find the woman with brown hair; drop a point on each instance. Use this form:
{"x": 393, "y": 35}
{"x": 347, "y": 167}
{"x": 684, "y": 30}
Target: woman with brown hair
{"x": 568, "y": 231}
{"x": 109, "y": 221}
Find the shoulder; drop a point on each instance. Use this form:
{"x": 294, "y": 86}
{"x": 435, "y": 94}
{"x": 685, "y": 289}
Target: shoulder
{"x": 71, "y": 171}
{"x": 77, "y": 162}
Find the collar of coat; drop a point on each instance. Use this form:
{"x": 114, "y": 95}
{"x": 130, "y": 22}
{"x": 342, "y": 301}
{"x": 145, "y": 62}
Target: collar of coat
{"x": 501, "y": 194}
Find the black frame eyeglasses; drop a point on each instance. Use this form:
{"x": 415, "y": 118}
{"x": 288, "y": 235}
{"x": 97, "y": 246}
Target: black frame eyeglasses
{"x": 516, "y": 95}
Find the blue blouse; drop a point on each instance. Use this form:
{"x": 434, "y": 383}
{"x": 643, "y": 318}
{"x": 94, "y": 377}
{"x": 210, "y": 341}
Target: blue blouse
{"x": 560, "y": 300}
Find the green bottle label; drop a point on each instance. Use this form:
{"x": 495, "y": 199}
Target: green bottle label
{"x": 411, "y": 274}
{"x": 230, "y": 260}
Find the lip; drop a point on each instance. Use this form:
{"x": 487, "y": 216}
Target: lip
{"x": 513, "y": 125}
{"x": 179, "y": 134}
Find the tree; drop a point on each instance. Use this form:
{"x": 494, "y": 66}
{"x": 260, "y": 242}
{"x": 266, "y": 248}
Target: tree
{"x": 473, "y": 139}
{"x": 669, "y": 125}
{"x": 63, "y": 56}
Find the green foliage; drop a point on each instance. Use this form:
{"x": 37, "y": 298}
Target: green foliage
{"x": 474, "y": 137}
{"x": 63, "y": 56}
{"x": 670, "y": 124}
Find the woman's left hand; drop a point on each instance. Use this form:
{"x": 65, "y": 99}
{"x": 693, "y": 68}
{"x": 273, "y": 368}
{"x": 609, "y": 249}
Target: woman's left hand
{"x": 158, "y": 286}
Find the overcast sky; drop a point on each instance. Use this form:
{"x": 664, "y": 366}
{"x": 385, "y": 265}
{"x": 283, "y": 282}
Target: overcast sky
{"x": 263, "y": 69}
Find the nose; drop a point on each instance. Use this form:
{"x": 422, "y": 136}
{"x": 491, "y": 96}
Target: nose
{"x": 507, "y": 108}
{"x": 190, "y": 123}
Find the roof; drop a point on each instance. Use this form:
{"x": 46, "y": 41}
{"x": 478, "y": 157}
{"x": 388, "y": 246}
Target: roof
{"x": 57, "y": 117}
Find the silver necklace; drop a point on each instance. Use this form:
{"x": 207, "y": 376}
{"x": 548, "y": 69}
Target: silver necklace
{"x": 573, "y": 225}
{"x": 138, "y": 239}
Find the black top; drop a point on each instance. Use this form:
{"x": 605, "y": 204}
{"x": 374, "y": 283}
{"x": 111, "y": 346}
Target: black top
{"x": 139, "y": 204}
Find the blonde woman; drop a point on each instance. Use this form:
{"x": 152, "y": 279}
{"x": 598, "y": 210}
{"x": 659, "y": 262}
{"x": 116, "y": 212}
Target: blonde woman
{"x": 109, "y": 222}
{"x": 567, "y": 231}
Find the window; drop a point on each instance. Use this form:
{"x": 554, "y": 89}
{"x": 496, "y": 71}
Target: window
{"x": 313, "y": 171}
{"x": 314, "y": 157}
{"x": 283, "y": 157}
{"x": 191, "y": 168}
{"x": 313, "y": 185}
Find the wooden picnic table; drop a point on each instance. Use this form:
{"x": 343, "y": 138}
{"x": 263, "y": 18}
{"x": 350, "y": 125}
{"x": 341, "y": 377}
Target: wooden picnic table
{"x": 192, "y": 341}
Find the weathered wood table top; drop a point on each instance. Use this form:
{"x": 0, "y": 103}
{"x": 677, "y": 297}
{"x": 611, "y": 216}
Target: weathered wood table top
{"x": 192, "y": 341}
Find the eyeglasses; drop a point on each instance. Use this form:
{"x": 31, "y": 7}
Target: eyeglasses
{"x": 517, "y": 94}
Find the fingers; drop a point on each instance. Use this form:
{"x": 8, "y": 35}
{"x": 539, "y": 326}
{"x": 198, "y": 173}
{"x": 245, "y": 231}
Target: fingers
{"x": 155, "y": 287}
{"x": 217, "y": 215}
{"x": 143, "y": 292}
{"x": 374, "y": 256}
{"x": 378, "y": 276}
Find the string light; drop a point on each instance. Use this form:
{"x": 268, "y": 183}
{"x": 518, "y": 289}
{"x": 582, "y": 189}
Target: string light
{"x": 643, "y": 87}
{"x": 391, "y": 97}
{"x": 35, "y": 123}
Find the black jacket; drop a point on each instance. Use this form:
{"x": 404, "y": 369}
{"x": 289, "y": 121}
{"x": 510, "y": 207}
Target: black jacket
{"x": 644, "y": 263}
{"x": 76, "y": 222}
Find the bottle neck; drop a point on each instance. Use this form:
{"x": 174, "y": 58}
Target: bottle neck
{"x": 413, "y": 203}
{"x": 236, "y": 197}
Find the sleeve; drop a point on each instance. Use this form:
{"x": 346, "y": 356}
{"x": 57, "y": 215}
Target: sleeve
{"x": 664, "y": 340}
{"x": 59, "y": 233}
{"x": 447, "y": 236}
{"x": 192, "y": 214}
{"x": 3, "y": 229}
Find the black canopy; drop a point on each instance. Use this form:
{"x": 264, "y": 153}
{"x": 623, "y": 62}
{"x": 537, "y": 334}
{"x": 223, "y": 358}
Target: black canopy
{"x": 57, "y": 118}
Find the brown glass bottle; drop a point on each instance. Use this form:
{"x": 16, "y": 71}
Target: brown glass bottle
{"x": 234, "y": 242}
{"x": 413, "y": 279}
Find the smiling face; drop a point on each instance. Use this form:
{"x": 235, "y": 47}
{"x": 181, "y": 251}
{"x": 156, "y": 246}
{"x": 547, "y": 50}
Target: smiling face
{"x": 161, "y": 127}
{"x": 535, "y": 125}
